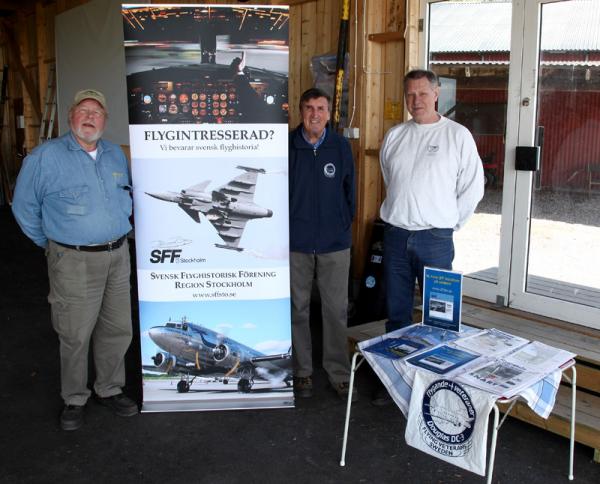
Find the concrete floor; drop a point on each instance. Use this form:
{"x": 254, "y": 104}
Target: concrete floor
{"x": 300, "y": 445}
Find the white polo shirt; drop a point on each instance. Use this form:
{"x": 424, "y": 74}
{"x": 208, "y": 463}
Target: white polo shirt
{"x": 432, "y": 173}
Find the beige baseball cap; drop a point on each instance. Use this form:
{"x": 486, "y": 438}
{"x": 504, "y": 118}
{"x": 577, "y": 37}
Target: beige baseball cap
{"x": 90, "y": 94}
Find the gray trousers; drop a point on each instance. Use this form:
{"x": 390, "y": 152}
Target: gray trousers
{"x": 331, "y": 271}
{"x": 90, "y": 301}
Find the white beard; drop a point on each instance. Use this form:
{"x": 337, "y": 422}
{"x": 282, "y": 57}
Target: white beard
{"x": 89, "y": 138}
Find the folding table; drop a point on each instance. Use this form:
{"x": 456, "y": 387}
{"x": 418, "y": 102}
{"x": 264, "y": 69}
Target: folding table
{"x": 356, "y": 363}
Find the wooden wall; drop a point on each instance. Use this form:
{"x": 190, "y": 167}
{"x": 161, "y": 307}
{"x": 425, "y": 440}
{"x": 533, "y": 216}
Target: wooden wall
{"x": 379, "y": 78}
{"x": 377, "y": 63}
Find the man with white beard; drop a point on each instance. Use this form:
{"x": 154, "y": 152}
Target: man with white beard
{"x": 72, "y": 198}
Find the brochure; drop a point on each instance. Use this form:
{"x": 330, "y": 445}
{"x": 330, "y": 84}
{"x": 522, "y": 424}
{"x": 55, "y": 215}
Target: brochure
{"x": 427, "y": 335}
{"x": 443, "y": 359}
{"x": 442, "y": 297}
{"x": 492, "y": 342}
{"x": 396, "y": 348}
{"x": 408, "y": 340}
{"x": 540, "y": 357}
{"x": 500, "y": 377}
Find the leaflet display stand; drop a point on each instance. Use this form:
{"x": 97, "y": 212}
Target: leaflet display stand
{"x": 358, "y": 359}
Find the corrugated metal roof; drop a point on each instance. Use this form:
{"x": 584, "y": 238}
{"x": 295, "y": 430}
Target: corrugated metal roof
{"x": 571, "y": 63}
{"x": 505, "y": 63}
{"x": 485, "y": 27}
{"x": 469, "y": 63}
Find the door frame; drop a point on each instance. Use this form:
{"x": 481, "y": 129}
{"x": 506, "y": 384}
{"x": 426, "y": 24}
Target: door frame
{"x": 521, "y": 120}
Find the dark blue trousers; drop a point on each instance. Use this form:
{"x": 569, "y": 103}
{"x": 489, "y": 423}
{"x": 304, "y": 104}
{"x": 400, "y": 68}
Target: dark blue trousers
{"x": 405, "y": 254}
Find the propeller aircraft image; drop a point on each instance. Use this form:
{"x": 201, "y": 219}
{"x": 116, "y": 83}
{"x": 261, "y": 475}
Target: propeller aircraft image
{"x": 228, "y": 208}
{"x": 192, "y": 350}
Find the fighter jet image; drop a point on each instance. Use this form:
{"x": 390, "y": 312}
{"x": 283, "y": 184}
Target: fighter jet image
{"x": 191, "y": 350}
{"x": 228, "y": 208}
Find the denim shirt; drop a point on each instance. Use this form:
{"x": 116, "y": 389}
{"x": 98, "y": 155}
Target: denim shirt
{"x": 64, "y": 195}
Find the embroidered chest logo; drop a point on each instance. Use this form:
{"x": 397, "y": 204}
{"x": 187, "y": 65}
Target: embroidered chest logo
{"x": 329, "y": 170}
{"x": 433, "y": 148}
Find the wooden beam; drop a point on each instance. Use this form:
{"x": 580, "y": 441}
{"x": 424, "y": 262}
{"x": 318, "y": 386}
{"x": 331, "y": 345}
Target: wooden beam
{"x": 411, "y": 54}
{"x": 14, "y": 5}
{"x": 386, "y": 37}
{"x": 15, "y": 57}
{"x": 295, "y": 65}
{"x": 309, "y": 45}
{"x": 377, "y": 81}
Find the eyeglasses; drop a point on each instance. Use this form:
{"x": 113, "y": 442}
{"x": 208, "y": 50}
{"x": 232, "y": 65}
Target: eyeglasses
{"x": 92, "y": 113}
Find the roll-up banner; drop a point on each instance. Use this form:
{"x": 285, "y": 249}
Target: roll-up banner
{"x": 208, "y": 112}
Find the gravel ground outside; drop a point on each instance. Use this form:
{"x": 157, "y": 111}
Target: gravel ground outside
{"x": 564, "y": 242}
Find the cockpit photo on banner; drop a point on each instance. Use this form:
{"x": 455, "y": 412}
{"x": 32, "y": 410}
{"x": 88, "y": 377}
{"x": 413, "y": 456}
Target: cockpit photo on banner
{"x": 208, "y": 121}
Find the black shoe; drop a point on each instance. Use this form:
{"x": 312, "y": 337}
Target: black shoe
{"x": 382, "y": 398}
{"x": 71, "y": 417}
{"x": 122, "y": 405}
{"x": 303, "y": 386}
{"x": 343, "y": 388}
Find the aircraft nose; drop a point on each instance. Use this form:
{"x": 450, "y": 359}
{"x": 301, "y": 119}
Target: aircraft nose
{"x": 160, "y": 196}
{"x": 167, "y": 197}
{"x": 153, "y": 333}
{"x": 158, "y": 335}
{"x": 269, "y": 213}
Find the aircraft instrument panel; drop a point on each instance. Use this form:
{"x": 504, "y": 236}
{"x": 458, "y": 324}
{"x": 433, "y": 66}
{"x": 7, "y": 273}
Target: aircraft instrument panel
{"x": 206, "y": 94}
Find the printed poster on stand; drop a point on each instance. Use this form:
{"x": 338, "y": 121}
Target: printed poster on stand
{"x": 208, "y": 113}
{"x": 442, "y": 298}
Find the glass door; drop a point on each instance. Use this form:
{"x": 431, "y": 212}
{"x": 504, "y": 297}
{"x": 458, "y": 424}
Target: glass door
{"x": 468, "y": 45}
{"x": 527, "y": 73}
{"x": 556, "y": 241}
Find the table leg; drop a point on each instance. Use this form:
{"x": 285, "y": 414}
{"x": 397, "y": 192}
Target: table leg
{"x": 353, "y": 369}
{"x": 493, "y": 444}
{"x": 572, "y": 436}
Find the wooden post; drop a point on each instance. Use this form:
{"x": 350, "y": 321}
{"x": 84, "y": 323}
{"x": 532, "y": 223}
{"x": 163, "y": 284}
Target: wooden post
{"x": 382, "y": 74}
{"x": 412, "y": 36}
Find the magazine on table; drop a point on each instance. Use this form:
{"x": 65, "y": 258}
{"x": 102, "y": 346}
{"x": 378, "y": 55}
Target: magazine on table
{"x": 540, "y": 357}
{"x": 396, "y": 348}
{"x": 500, "y": 377}
{"x": 443, "y": 359}
{"x": 409, "y": 340}
{"x": 492, "y": 342}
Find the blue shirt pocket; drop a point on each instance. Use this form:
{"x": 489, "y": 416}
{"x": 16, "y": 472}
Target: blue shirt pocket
{"x": 75, "y": 200}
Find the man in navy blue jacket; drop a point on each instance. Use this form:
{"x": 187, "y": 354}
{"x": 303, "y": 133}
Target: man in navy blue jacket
{"x": 321, "y": 212}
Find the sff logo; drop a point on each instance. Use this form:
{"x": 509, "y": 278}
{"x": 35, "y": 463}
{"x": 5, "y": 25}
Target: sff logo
{"x": 160, "y": 256}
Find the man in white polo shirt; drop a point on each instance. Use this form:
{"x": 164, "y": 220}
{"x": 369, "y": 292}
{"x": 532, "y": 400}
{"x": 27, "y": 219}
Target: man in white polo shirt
{"x": 434, "y": 181}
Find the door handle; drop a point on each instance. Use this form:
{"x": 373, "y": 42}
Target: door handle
{"x": 527, "y": 158}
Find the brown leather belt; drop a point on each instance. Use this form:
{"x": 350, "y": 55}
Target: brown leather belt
{"x": 115, "y": 244}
